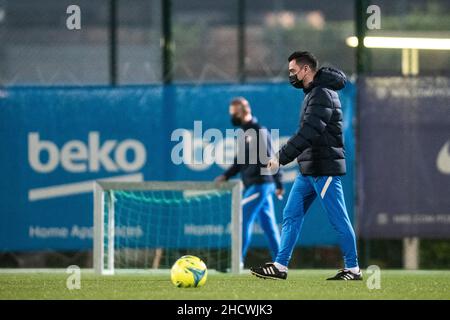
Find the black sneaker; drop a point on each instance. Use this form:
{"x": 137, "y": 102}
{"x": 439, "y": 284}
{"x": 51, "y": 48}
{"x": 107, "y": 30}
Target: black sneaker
{"x": 269, "y": 271}
{"x": 347, "y": 275}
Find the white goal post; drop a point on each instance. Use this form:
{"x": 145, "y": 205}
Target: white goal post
{"x": 104, "y": 245}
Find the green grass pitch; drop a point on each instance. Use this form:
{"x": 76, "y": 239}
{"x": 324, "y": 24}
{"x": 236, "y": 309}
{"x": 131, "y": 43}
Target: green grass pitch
{"x": 301, "y": 284}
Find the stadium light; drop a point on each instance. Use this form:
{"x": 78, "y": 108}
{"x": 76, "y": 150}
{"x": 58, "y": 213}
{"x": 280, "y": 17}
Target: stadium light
{"x": 401, "y": 43}
{"x": 410, "y": 48}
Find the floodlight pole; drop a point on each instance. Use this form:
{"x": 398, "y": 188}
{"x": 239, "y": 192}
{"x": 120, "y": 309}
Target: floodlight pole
{"x": 411, "y": 245}
{"x": 411, "y": 248}
{"x": 410, "y": 62}
{"x": 241, "y": 40}
{"x": 361, "y": 66}
{"x": 360, "y": 28}
{"x": 113, "y": 42}
{"x": 167, "y": 42}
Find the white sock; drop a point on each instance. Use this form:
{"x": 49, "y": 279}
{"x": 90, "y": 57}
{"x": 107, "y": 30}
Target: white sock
{"x": 354, "y": 270}
{"x": 280, "y": 267}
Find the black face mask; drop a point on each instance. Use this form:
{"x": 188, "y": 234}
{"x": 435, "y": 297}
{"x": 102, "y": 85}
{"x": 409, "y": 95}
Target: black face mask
{"x": 235, "y": 120}
{"x": 295, "y": 82}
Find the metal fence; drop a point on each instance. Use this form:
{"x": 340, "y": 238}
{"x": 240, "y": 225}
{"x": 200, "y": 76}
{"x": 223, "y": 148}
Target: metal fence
{"x": 154, "y": 41}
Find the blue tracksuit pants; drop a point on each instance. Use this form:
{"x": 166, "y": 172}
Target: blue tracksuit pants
{"x": 329, "y": 191}
{"x": 257, "y": 202}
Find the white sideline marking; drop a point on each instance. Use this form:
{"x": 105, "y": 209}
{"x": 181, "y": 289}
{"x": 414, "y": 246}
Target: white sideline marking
{"x": 249, "y": 198}
{"x": 76, "y": 188}
{"x": 325, "y": 187}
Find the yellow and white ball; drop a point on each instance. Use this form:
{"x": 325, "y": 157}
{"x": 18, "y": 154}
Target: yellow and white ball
{"x": 189, "y": 272}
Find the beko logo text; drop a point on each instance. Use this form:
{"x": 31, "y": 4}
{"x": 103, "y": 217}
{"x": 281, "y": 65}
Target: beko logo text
{"x": 75, "y": 156}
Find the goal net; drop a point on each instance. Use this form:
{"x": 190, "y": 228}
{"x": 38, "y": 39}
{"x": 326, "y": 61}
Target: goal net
{"x": 149, "y": 225}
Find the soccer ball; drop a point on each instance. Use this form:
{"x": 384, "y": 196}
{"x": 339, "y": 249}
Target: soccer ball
{"x": 188, "y": 272}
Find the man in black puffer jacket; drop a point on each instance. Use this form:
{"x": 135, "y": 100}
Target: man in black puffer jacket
{"x": 319, "y": 148}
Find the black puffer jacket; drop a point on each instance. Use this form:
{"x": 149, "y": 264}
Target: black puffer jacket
{"x": 318, "y": 143}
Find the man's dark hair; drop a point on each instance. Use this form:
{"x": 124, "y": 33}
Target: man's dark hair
{"x": 304, "y": 58}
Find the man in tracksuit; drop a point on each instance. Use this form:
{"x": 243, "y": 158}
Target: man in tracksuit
{"x": 319, "y": 149}
{"x": 259, "y": 187}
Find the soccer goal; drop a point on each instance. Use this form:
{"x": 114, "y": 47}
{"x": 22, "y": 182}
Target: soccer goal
{"x": 149, "y": 225}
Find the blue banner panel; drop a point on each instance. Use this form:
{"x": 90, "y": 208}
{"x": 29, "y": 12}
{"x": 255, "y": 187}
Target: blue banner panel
{"x": 404, "y": 171}
{"x": 57, "y": 141}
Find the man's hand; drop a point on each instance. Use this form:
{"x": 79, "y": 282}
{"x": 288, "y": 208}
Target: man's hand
{"x": 279, "y": 193}
{"x": 220, "y": 179}
{"x": 273, "y": 165}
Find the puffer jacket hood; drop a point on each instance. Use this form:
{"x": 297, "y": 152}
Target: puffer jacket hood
{"x": 329, "y": 78}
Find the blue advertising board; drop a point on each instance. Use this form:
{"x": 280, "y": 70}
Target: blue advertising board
{"x": 57, "y": 141}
